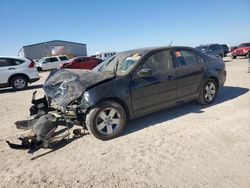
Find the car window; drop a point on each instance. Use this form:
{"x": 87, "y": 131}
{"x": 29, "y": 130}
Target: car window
{"x": 159, "y": 62}
{"x": 87, "y": 59}
{"x": 185, "y": 57}
{"x": 215, "y": 47}
{"x": 53, "y": 59}
{"x": 63, "y": 58}
{"x": 16, "y": 62}
{"x": 79, "y": 60}
{"x": 4, "y": 62}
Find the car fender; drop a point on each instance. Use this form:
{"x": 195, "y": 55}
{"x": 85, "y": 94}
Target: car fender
{"x": 18, "y": 74}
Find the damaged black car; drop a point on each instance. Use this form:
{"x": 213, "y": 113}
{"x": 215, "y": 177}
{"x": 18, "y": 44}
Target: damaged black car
{"x": 129, "y": 85}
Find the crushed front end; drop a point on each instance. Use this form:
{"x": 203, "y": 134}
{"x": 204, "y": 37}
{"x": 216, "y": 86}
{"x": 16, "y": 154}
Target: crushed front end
{"x": 63, "y": 104}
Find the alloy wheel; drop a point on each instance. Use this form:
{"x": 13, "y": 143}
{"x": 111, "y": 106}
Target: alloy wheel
{"x": 19, "y": 83}
{"x": 210, "y": 91}
{"x": 108, "y": 121}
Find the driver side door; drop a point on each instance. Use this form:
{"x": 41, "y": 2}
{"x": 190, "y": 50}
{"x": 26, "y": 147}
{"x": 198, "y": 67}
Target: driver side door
{"x": 159, "y": 89}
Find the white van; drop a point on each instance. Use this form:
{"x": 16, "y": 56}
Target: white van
{"x": 104, "y": 55}
{"x": 52, "y": 62}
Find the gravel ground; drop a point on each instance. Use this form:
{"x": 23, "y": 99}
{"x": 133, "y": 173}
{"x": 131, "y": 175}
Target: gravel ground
{"x": 184, "y": 146}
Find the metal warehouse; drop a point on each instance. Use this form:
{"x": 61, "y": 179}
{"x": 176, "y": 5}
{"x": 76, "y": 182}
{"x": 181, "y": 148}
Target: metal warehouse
{"x": 54, "y": 47}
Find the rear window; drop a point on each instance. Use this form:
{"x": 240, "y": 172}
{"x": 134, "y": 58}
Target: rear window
{"x": 4, "y": 62}
{"x": 63, "y": 58}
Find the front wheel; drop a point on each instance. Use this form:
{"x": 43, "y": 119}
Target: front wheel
{"x": 106, "y": 120}
{"x": 234, "y": 57}
{"x": 248, "y": 55}
{"x": 208, "y": 92}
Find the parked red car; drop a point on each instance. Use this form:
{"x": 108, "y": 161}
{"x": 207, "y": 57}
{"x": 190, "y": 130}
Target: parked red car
{"x": 243, "y": 50}
{"x": 82, "y": 63}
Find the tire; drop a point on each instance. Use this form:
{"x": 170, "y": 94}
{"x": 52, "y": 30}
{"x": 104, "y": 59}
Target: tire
{"x": 19, "y": 83}
{"x": 208, "y": 92}
{"x": 104, "y": 125}
{"x": 248, "y": 55}
{"x": 39, "y": 69}
{"x": 234, "y": 57}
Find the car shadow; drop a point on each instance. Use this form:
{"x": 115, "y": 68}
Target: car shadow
{"x": 11, "y": 90}
{"x": 226, "y": 93}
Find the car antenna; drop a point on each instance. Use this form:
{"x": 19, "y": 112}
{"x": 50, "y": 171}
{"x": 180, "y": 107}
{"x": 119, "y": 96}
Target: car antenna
{"x": 170, "y": 44}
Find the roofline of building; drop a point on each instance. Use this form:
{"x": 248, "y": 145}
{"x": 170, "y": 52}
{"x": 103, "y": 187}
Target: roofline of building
{"x": 51, "y": 41}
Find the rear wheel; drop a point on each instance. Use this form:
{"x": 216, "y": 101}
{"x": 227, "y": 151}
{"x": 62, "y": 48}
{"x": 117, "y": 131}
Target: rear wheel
{"x": 106, "y": 120}
{"x": 234, "y": 57}
{"x": 208, "y": 92}
{"x": 19, "y": 83}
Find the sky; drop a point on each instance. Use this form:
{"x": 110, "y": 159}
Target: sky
{"x": 117, "y": 25}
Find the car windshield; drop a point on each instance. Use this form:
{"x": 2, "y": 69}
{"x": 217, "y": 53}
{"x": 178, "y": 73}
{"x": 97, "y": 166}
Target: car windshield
{"x": 202, "y": 48}
{"x": 245, "y": 45}
{"x": 41, "y": 60}
{"x": 119, "y": 64}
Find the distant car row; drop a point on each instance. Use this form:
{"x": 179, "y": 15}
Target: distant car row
{"x": 223, "y": 49}
{"x": 214, "y": 49}
{"x": 53, "y": 62}
{"x": 18, "y": 72}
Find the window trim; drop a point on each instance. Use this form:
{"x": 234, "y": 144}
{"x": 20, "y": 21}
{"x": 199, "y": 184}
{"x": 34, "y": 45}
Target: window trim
{"x": 185, "y": 49}
{"x": 151, "y": 54}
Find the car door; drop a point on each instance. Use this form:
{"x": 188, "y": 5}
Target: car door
{"x": 6, "y": 70}
{"x": 46, "y": 64}
{"x": 159, "y": 89}
{"x": 54, "y": 63}
{"x": 190, "y": 73}
{"x": 77, "y": 63}
{"x": 88, "y": 63}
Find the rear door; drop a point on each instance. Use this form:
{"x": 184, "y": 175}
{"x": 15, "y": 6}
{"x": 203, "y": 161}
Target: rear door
{"x": 158, "y": 90}
{"x": 9, "y": 67}
{"x": 5, "y": 70}
{"x": 190, "y": 73}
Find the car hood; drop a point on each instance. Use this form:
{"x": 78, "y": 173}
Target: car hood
{"x": 66, "y": 85}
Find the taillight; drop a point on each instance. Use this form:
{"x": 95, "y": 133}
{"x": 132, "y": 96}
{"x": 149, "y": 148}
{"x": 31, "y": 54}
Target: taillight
{"x": 32, "y": 64}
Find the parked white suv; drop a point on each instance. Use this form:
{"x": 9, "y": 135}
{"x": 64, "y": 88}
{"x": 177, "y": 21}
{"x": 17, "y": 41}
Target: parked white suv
{"x": 17, "y": 72}
{"x": 52, "y": 62}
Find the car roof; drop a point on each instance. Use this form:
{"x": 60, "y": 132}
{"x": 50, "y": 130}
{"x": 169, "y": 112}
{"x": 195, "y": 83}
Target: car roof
{"x": 148, "y": 49}
{"x": 15, "y": 57}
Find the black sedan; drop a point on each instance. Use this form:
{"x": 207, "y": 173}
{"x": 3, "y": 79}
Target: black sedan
{"x": 132, "y": 84}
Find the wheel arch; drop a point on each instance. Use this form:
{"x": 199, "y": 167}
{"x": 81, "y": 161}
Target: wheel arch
{"x": 216, "y": 80}
{"x": 18, "y": 74}
{"x": 120, "y": 102}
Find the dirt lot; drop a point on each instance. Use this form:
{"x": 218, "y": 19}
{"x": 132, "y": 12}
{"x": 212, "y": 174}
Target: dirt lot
{"x": 185, "y": 146}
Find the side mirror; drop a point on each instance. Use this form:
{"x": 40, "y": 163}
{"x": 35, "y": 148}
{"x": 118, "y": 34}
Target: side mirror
{"x": 143, "y": 73}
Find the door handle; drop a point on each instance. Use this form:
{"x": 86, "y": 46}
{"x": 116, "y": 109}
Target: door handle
{"x": 11, "y": 68}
